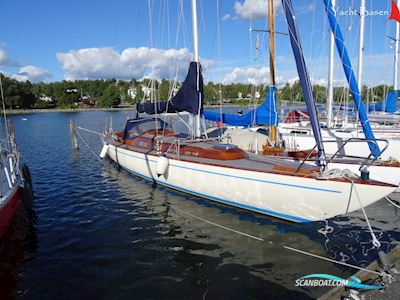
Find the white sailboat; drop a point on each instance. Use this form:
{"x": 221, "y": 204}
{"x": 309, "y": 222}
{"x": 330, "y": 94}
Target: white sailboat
{"x": 291, "y": 190}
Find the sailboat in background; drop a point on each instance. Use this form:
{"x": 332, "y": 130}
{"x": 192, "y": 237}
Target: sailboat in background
{"x": 150, "y": 148}
{"x": 302, "y": 136}
{"x": 386, "y": 111}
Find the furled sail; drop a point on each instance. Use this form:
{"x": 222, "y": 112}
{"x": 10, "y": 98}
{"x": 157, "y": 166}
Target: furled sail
{"x": 351, "y": 79}
{"x": 304, "y": 78}
{"x": 187, "y": 98}
{"x": 265, "y": 114}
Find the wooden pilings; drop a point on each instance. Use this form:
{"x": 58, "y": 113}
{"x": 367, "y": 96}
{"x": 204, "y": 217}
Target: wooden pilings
{"x": 74, "y": 135}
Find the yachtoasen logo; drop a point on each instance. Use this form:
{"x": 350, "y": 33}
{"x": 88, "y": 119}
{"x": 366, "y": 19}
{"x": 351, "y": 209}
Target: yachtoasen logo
{"x": 394, "y": 14}
{"x": 363, "y": 11}
{"x": 318, "y": 280}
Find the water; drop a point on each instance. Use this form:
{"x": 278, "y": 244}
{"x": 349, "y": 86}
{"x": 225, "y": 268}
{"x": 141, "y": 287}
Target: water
{"x": 100, "y": 232}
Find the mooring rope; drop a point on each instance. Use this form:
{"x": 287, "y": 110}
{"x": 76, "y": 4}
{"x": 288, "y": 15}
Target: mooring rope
{"x": 217, "y": 225}
{"x": 375, "y": 241}
{"x": 272, "y": 243}
{"x": 349, "y": 175}
{"x": 331, "y": 260}
{"x": 91, "y": 131}
{"x": 391, "y": 202}
{"x": 87, "y": 145}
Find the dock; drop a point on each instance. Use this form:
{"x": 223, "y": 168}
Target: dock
{"x": 392, "y": 287}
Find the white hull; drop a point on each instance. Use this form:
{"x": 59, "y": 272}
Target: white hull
{"x": 295, "y": 198}
{"x": 307, "y": 141}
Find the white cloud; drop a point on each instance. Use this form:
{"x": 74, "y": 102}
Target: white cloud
{"x": 6, "y": 61}
{"x": 320, "y": 81}
{"x": 33, "y": 74}
{"x": 94, "y": 63}
{"x": 250, "y": 75}
{"x": 292, "y": 80}
{"x": 252, "y": 9}
{"x": 226, "y": 17}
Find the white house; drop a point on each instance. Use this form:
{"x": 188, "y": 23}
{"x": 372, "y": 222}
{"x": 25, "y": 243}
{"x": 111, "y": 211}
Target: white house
{"x": 147, "y": 91}
{"x": 132, "y": 92}
{"x": 45, "y": 98}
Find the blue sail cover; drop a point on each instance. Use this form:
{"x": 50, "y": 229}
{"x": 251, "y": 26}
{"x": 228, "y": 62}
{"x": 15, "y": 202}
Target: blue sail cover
{"x": 304, "y": 78}
{"x": 265, "y": 114}
{"x": 189, "y": 97}
{"x": 351, "y": 79}
{"x": 389, "y": 105}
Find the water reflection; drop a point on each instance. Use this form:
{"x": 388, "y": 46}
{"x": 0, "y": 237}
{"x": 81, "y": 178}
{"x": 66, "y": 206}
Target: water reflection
{"x": 18, "y": 245}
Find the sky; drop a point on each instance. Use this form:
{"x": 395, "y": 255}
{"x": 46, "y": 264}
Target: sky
{"x": 54, "y": 40}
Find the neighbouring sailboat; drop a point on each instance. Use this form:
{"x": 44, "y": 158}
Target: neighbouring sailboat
{"x": 14, "y": 180}
{"x": 302, "y": 136}
{"x": 386, "y": 111}
{"x": 149, "y": 148}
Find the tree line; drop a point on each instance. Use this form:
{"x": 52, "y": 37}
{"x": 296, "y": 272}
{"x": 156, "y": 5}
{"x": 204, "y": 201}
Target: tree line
{"x": 110, "y": 92}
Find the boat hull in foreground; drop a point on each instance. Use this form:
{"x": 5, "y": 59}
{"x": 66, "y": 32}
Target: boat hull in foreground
{"x": 8, "y": 207}
{"x": 290, "y": 197}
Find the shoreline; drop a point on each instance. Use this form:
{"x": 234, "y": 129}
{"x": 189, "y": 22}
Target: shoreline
{"x": 11, "y": 112}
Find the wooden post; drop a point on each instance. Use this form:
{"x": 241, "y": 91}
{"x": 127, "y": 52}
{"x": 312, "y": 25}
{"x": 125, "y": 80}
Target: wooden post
{"x": 74, "y": 137}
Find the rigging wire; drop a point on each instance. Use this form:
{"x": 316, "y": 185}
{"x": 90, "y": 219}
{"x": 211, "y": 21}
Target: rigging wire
{"x": 152, "y": 79}
{"x": 4, "y": 113}
{"x": 218, "y": 62}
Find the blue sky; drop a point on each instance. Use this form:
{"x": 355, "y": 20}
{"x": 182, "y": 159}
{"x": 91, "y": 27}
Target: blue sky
{"x": 55, "y": 40}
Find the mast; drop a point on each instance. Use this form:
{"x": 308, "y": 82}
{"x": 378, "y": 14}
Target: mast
{"x": 362, "y": 114}
{"x": 195, "y": 32}
{"x": 361, "y": 45}
{"x": 396, "y": 55}
{"x": 197, "y": 118}
{"x": 271, "y": 21}
{"x": 304, "y": 79}
{"x": 329, "y": 101}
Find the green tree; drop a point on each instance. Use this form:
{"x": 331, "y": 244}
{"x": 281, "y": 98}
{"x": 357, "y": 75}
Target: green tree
{"x": 164, "y": 90}
{"x": 211, "y": 93}
{"x": 139, "y": 94}
{"x": 110, "y": 94}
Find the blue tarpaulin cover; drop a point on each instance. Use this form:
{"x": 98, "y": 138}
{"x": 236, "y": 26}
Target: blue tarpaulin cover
{"x": 265, "y": 114}
{"x": 389, "y": 105}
